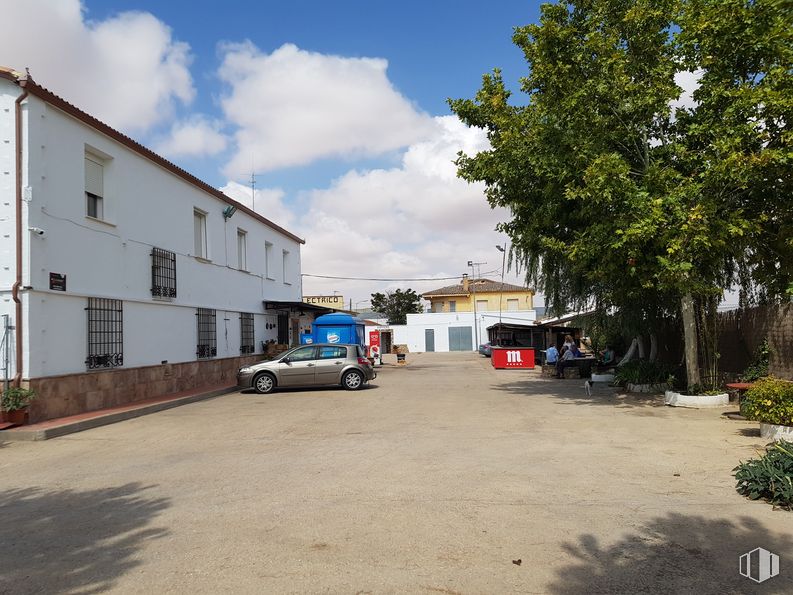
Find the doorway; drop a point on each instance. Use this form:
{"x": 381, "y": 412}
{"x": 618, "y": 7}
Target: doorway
{"x": 283, "y": 329}
{"x": 429, "y": 339}
{"x": 295, "y": 332}
{"x": 386, "y": 341}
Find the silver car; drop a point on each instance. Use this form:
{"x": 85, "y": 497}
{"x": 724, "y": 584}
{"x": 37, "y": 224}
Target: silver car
{"x": 310, "y": 365}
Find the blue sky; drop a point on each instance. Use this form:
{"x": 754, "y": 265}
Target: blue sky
{"x": 339, "y": 107}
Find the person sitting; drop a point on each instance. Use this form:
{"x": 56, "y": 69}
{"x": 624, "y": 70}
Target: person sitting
{"x": 551, "y": 355}
{"x": 607, "y": 357}
{"x": 567, "y": 359}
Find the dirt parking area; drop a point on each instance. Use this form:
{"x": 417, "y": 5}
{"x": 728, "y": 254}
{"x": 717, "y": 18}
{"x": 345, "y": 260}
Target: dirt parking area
{"x": 444, "y": 476}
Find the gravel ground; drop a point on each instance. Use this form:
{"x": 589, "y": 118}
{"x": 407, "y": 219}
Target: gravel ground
{"x": 444, "y": 476}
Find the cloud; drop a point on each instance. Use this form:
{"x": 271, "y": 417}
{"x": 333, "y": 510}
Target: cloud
{"x": 413, "y": 221}
{"x": 423, "y": 197}
{"x": 127, "y": 70}
{"x": 195, "y": 137}
{"x": 269, "y": 202}
{"x": 688, "y": 81}
{"x": 292, "y": 107}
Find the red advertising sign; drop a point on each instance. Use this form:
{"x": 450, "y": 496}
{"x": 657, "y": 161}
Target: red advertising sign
{"x": 374, "y": 338}
{"x": 374, "y": 344}
{"x": 512, "y": 357}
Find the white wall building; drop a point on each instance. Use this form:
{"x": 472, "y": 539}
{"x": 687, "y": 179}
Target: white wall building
{"x": 115, "y": 260}
{"x": 453, "y": 331}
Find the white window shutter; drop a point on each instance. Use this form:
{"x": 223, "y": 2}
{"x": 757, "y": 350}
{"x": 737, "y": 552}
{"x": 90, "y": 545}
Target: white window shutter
{"x": 94, "y": 177}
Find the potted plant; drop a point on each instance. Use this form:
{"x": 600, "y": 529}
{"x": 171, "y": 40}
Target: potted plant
{"x": 14, "y": 404}
{"x": 770, "y": 401}
{"x": 697, "y": 396}
{"x": 643, "y": 376}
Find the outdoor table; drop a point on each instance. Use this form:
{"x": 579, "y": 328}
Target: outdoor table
{"x": 585, "y": 365}
{"x": 740, "y": 388}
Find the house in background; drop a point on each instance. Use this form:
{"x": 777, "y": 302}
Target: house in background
{"x": 460, "y": 315}
{"x": 482, "y": 295}
{"x": 123, "y": 276}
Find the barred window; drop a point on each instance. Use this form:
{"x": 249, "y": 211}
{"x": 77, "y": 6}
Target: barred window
{"x": 207, "y": 333}
{"x": 105, "y": 333}
{"x": 247, "y": 344}
{"x": 163, "y": 273}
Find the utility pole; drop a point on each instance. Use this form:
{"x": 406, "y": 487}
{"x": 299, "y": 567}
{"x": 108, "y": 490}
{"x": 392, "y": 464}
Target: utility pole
{"x": 475, "y": 274}
{"x": 503, "y": 251}
{"x": 253, "y": 191}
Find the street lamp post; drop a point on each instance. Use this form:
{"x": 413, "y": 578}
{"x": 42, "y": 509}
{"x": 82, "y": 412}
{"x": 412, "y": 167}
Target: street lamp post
{"x": 503, "y": 251}
{"x": 473, "y": 264}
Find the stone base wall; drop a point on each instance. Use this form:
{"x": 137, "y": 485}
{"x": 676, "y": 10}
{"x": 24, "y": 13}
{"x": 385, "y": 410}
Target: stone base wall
{"x": 60, "y": 396}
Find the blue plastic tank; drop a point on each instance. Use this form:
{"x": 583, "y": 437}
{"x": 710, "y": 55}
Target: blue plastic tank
{"x": 337, "y": 328}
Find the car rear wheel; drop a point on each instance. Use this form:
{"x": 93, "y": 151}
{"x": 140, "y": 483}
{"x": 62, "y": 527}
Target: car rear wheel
{"x": 264, "y": 383}
{"x": 352, "y": 380}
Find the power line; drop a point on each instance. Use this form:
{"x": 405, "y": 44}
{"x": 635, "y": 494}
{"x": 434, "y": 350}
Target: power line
{"x": 382, "y": 279}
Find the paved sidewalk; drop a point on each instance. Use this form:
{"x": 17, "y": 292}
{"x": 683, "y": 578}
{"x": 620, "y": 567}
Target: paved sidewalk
{"x": 61, "y": 426}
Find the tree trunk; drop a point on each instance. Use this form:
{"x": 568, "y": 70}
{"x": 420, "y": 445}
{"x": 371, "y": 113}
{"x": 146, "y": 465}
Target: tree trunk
{"x": 629, "y": 355}
{"x": 640, "y": 342}
{"x": 653, "y": 347}
{"x": 690, "y": 338}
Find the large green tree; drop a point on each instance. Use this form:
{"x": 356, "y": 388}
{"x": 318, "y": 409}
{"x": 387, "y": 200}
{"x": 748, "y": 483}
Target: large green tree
{"x": 396, "y": 305}
{"x": 620, "y": 200}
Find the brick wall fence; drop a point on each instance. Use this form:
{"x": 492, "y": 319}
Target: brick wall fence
{"x": 59, "y": 396}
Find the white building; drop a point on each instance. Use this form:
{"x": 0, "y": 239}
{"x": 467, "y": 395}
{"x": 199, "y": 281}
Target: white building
{"x": 452, "y": 331}
{"x": 125, "y": 277}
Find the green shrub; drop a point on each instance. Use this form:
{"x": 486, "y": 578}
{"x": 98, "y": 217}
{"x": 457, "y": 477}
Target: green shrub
{"x": 16, "y": 398}
{"x": 759, "y": 366}
{"x": 769, "y": 477}
{"x": 770, "y": 400}
{"x": 642, "y": 371}
{"x": 699, "y": 390}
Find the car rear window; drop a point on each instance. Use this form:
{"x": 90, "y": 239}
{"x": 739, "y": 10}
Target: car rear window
{"x": 332, "y": 352}
{"x": 360, "y": 351}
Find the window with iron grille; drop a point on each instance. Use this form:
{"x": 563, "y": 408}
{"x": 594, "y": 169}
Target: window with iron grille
{"x": 163, "y": 273}
{"x": 247, "y": 344}
{"x": 207, "y": 333}
{"x": 105, "y": 333}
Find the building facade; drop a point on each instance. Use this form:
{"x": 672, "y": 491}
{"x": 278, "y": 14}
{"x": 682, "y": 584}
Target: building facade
{"x": 123, "y": 276}
{"x": 460, "y": 315}
{"x": 481, "y": 295}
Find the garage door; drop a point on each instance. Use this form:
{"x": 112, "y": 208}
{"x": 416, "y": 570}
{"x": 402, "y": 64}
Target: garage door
{"x": 460, "y": 338}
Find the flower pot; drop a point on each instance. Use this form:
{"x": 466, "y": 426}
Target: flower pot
{"x": 647, "y": 388}
{"x": 602, "y": 377}
{"x": 695, "y": 401}
{"x": 775, "y": 432}
{"x": 18, "y": 417}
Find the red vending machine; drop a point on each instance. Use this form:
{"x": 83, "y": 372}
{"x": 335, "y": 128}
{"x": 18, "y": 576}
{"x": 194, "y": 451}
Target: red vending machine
{"x": 512, "y": 357}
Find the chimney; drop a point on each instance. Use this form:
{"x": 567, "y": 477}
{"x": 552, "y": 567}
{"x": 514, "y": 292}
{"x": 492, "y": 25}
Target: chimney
{"x": 465, "y": 282}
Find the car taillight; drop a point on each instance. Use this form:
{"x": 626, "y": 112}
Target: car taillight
{"x": 363, "y": 361}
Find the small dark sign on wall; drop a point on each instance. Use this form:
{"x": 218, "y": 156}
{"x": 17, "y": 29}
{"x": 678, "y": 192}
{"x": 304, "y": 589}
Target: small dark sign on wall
{"x": 57, "y": 282}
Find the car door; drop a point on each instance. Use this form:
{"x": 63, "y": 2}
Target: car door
{"x": 330, "y": 361}
{"x": 298, "y": 368}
